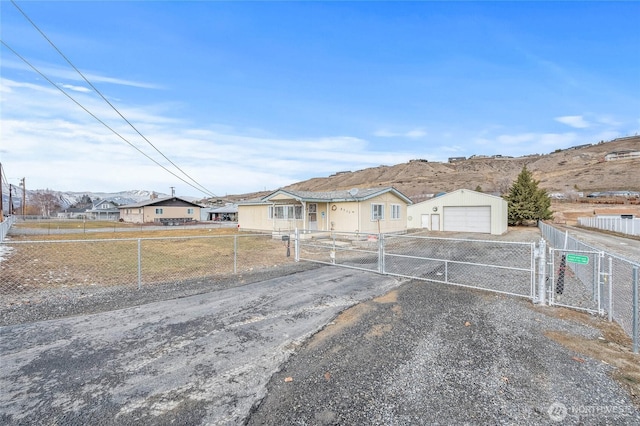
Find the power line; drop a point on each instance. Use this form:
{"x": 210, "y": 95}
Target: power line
{"x": 202, "y": 188}
{"x": 98, "y": 119}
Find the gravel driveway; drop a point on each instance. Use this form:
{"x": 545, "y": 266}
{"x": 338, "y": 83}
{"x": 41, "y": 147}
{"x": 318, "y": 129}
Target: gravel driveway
{"x": 435, "y": 354}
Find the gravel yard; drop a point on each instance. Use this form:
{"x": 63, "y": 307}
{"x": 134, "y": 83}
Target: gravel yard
{"x": 434, "y": 354}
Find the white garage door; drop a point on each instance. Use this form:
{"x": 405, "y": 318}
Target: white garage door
{"x": 468, "y": 219}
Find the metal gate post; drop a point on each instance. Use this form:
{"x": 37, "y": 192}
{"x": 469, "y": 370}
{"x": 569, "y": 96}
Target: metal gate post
{"x": 552, "y": 277}
{"x": 634, "y": 284}
{"x": 235, "y": 254}
{"x": 139, "y": 265}
{"x": 542, "y": 266}
{"x": 296, "y": 246}
{"x": 610, "y": 289}
{"x": 381, "y": 253}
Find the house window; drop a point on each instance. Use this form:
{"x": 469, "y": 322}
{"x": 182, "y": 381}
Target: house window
{"x": 285, "y": 212}
{"x": 377, "y": 211}
{"x": 189, "y": 211}
{"x": 158, "y": 211}
{"x": 395, "y": 211}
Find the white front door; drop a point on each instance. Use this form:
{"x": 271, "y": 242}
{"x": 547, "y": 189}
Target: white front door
{"x": 435, "y": 222}
{"x": 424, "y": 220}
{"x": 312, "y": 214}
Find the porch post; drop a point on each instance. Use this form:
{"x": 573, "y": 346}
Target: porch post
{"x": 304, "y": 215}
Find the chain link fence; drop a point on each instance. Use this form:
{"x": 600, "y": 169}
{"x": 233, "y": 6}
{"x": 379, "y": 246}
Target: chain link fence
{"x": 33, "y": 271}
{"x": 593, "y": 279}
{"x": 504, "y": 267}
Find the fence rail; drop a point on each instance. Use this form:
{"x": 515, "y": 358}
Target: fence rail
{"x": 629, "y": 226}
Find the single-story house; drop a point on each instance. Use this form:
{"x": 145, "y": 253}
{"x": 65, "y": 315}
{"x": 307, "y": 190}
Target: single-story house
{"x": 622, "y": 155}
{"x": 228, "y": 212}
{"x": 462, "y": 210}
{"x": 169, "y": 211}
{"x": 379, "y": 210}
{"x": 104, "y": 210}
{"x": 72, "y": 213}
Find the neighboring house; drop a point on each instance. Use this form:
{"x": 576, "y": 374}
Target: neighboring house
{"x": 72, "y": 213}
{"x": 378, "y": 210}
{"x": 169, "y": 211}
{"x": 104, "y": 210}
{"x": 462, "y": 210}
{"x": 622, "y": 155}
{"x": 223, "y": 213}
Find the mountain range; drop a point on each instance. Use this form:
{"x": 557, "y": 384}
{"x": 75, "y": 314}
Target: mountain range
{"x": 578, "y": 170}
{"x": 68, "y": 199}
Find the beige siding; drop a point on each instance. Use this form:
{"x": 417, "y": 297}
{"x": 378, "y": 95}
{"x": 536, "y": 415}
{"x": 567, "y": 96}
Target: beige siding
{"x": 254, "y": 217}
{"x": 134, "y": 215}
{"x": 345, "y": 217}
{"x": 367, "y": 224}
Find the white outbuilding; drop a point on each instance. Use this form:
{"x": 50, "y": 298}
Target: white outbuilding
{"x": 462, "y": 210}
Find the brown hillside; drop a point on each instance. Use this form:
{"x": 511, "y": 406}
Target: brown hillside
{"x": 568, "y": 171}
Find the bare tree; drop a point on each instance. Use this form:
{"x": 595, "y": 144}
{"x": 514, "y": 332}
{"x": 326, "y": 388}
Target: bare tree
{"x": 46, "y": 202}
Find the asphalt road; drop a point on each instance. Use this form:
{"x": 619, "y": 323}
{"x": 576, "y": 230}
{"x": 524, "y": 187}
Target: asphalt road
{"x": 626, "y": 247}
{"x": 203, "y": 359}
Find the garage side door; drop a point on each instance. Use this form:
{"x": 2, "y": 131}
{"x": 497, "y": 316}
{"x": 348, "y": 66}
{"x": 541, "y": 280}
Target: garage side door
{"x": 468, "y": 219}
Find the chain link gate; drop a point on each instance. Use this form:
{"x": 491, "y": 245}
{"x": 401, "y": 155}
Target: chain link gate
{"x": 498, "y": 266}
{"x": 577, "y": 279}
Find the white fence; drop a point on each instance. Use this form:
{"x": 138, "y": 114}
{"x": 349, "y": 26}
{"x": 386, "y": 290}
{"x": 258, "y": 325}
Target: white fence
{"x": 5, "y": 225}
{"x": 615, "y": 224}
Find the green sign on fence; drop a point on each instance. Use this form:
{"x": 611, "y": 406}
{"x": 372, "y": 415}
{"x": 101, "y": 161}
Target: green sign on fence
{"x": 578, "y": 258}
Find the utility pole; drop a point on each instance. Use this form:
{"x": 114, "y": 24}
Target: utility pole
{"x": 24, "y": 196}
{"x": 173, "y": 191}
{"x": 10, "y": 199}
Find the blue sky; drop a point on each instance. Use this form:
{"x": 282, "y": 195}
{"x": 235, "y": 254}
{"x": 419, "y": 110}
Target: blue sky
{"x": 248, "y": 96}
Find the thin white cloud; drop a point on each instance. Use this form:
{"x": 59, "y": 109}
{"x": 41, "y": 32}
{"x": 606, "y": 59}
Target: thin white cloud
{"x": 576, "y": 121}
{"x": 410, "y": 134}
{"x": 55, "y": 72}
{"x": 75, "y": 88}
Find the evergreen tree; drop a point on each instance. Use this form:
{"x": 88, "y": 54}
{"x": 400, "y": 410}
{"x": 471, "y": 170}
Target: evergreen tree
{"x": 526, "y": 201}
